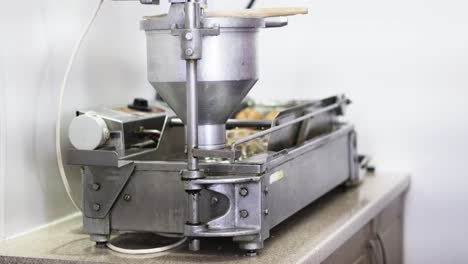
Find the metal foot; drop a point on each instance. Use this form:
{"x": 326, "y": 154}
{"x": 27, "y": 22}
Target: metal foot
{"x": 251, "y": 247}
{"x": 101, "y": 244}
{"x": 99, "y": 239}
{"x": 194, "y": 244}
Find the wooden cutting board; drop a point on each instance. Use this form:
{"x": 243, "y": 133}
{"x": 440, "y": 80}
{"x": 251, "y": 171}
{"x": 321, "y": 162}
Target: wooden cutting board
{"x": 258, "y": 12}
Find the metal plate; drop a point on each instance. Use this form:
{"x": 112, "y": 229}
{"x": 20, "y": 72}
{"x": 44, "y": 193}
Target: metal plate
{"x": 101, "y": 187}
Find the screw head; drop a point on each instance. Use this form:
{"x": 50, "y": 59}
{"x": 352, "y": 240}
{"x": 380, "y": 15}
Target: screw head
{"x": 244, "y": 192}
{"x": 266, "y": 212}
{"x": 188, "y": 36}
{"x": 96, "y": 207}
{"x": 127, "y": 197}
{"x": 189, "y": 52}
{"x": 244, "y": 213}
{"x": 96, "y": 186}
{"x": 214, "y": 200}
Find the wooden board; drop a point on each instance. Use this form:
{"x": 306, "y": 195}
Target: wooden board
{"x": 258, "y": 12}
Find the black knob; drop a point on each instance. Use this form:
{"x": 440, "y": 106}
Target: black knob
{"x": 140, "y": 104}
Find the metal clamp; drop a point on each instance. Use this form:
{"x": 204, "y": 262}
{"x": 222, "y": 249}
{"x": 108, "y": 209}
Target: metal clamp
{"x": 191, "y": 40}
{"x": 191, "y": 174}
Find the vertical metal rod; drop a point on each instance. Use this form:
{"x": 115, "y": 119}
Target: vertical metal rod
{"x": 192, "y": 13}
{"x": 194, "y": 244}
{"x": 193, "y": 217}
{"x": 192, "y": 114}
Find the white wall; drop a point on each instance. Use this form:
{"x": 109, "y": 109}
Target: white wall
{"x": 37, "y": 38}
{"x": 403, "y": 62}
{"x": 2, "y": 148}
{"x": 405, "y": 65}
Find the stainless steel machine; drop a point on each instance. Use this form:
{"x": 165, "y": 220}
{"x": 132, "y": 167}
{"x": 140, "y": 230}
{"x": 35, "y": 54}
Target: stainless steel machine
{"x": 186, "y": 165}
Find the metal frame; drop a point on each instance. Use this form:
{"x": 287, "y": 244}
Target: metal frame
{"x": 319, "y": 164}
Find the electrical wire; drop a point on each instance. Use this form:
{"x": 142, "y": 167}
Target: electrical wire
{"x": 251, "y": 4}
{"x": 58, "y": 145}
{"x": 145, "y": 251}
{"x": 58, "y": 125}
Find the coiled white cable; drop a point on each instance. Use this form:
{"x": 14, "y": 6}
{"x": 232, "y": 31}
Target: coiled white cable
{"x": 58, "y": 147}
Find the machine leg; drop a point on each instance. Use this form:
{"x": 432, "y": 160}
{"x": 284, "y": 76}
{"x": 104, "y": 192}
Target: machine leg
{"x": 101, "y": 240}
{"x": 251, "y": 253}
{"x": 251, "y": 247}
{"x": 194, "y": 244}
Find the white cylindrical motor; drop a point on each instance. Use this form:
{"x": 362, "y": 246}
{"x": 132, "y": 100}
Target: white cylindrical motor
{"x": 88, "y": 131}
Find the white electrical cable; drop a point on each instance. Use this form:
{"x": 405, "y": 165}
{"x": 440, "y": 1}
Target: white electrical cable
{"x": 146, "y": 251}
{"x": 58, "y": 125}
{"x": 58, "y": 147}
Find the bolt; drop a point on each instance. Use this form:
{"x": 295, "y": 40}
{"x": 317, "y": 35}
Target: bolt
{"x": 370, "y": 169}
{"x": 244, "y": 192}
{"x": 127, "y": 197}
{"x": 96, "y": 186}
{"x": 189, "y": 52}
{"x": 244, "y": 213}
{"x": 96, "y": 207}
{"x": 266, "y": 190}
{"x": 214, "y": 200}
{"x": 266, "y": 211}
{"x": 188, "y": 36}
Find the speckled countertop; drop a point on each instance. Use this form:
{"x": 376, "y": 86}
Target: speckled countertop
{"x": 309, "y": 236}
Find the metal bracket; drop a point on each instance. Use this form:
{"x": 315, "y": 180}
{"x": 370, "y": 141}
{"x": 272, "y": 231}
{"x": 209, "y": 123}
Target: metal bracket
{"x": 98, "y": 157}
{"x": 191, "y": 175}
{"x": 217, "y": 153}
{"x": 242, "y": 218}
{"x": 101, "y": 188}
{"x": 191, "y": 40}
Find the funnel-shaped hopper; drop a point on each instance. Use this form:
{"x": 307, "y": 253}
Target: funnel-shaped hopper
{"x": 216, "y": 103}
{"x": 226, "y": 73}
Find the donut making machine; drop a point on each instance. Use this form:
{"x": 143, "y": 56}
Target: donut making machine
{"x": 185, "y": 165}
